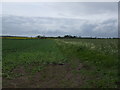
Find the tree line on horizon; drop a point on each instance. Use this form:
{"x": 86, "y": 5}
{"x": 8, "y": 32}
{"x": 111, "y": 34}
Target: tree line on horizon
{"x": 65, "y": 36}
{"x": 70, "y": 36}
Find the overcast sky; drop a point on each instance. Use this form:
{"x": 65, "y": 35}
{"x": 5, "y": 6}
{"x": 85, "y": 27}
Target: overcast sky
{"x": 58, "y": 19}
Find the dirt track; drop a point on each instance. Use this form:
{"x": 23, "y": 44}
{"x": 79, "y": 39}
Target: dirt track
{"x": 52, "y": 76}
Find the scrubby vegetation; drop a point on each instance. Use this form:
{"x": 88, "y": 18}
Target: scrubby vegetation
{"x": 99, "y": 55}
{"x": 82, "y": 63}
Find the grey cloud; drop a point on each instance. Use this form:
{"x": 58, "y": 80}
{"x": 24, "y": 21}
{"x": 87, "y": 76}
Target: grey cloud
{"x": 101, "y": 7}
{"x": 14, "y": 25}
{"x": 107, "y": 28}
{"x": 84, "y": 8}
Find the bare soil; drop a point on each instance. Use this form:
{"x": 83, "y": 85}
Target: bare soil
{"x": 52, "y": 76}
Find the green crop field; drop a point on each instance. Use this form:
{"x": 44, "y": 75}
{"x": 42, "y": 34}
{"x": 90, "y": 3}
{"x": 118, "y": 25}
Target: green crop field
{"x": 54, "y": 63}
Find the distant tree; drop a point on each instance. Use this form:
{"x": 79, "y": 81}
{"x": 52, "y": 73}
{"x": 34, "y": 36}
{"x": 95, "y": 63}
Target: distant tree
{"x": 67, "y": 36}
{"x": 38, "y": 36}
{"x": 59, "y": 37}
{"x": 41, "y": 37}
{"x": 70, "y": 36}
{"x": 74, "y": 37}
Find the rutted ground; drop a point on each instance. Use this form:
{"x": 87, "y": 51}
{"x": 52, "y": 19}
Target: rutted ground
{"x": 63, "y": 63}
{"x": 53, "y": 75}
{"x": 32, "y": 69}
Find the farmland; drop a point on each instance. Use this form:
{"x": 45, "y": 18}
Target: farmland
{"x": 68, "y": 63}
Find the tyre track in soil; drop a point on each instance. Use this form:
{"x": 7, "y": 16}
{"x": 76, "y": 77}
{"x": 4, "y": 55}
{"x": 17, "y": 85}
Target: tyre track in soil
{"x": 52, "y": 76}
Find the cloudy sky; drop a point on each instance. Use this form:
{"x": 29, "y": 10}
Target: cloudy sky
{"x": 96, "y": 19}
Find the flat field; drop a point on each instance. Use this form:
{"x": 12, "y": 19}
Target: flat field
{"x": 56, "y": 63}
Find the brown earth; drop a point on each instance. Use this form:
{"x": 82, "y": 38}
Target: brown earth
{"x": 52, "y": 76}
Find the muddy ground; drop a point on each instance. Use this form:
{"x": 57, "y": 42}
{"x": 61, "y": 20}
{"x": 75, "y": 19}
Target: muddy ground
{"x": 52, "y": 76}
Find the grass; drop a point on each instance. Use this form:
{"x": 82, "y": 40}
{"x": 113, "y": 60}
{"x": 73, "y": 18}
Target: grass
{"x": 29, "y": 52}
{"x": 98, "y": 57}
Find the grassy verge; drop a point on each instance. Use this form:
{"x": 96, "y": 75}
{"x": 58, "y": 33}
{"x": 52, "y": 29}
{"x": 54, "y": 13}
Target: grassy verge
{"x": 100, "y": 57}
{"x": 31, "y": 54}
{"x": 85, "y": 63}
